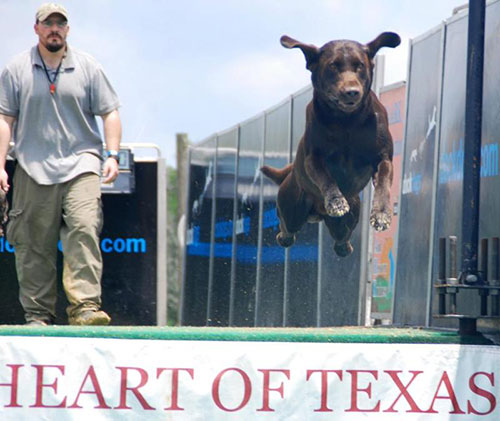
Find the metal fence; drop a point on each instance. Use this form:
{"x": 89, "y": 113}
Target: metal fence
{"x": 235, "y": 274}
{"x": 431, "y": 195}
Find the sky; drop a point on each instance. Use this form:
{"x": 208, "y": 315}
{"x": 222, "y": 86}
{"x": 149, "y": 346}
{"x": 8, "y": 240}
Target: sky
{"x": 202, "y": 66}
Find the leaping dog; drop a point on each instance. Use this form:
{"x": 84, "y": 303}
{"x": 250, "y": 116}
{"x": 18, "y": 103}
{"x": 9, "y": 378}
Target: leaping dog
{"x": 345, "y": 144}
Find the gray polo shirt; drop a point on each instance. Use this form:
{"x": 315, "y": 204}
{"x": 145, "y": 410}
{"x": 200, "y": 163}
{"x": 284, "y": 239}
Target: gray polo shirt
{"x": 56, "y": 136}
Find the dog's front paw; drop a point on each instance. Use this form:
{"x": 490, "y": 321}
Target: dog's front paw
{"x": 380, "y": 221}
{"x": 336, "y": 206}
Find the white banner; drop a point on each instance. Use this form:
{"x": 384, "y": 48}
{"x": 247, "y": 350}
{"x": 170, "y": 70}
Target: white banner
{"x": 47, "y": 378}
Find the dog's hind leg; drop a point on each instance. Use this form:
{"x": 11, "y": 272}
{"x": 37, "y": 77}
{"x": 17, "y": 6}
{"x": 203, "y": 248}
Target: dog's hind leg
{"x": 293, "y": 211}
{"x": 341, "y": 228}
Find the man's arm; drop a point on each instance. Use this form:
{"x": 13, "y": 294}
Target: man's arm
{"x": 6, "y": 123}
{"x": 112, "y": 136}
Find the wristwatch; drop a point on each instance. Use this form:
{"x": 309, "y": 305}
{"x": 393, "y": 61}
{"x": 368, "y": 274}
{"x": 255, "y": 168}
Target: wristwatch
{"x": 113, "y": 154}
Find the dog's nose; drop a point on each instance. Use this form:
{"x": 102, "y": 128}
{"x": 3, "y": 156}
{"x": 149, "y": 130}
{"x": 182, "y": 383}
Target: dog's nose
{"x": 352, "y": 93}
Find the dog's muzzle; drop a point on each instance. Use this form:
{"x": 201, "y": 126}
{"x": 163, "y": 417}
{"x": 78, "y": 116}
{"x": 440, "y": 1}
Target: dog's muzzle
{"x": 347, "y": 103}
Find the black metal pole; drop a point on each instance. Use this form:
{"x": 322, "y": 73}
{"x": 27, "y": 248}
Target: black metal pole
{"x": 472, "y": 143}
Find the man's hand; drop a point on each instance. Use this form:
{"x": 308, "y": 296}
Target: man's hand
{"x": 110, "y": 170}
{"x": 6, "y": 124}
{"x": 4, "y": 181}
{"x": 113, "y": 134}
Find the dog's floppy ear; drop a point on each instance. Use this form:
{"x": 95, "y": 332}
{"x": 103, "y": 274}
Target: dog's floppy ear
{"x": 311, "y": 52}
{"x": 385, "y": 39}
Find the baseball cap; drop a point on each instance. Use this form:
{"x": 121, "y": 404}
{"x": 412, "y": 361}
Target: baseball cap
{"x": 46, "y": 9}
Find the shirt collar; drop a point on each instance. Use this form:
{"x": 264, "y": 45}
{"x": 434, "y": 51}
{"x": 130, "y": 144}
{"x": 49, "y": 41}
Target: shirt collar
{"x": 68, "y": 61}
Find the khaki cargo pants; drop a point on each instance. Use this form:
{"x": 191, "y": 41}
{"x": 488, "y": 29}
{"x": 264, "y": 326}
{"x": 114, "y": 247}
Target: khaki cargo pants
{"x": 40, "y": 216}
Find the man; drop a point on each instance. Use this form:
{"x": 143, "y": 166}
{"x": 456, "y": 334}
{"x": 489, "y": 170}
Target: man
{"x": 49, "y": 97}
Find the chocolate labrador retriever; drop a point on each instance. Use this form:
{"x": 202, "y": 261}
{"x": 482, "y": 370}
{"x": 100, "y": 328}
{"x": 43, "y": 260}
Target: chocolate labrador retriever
{"x": 3, "y": 210}
{"x": 346, "y": 142}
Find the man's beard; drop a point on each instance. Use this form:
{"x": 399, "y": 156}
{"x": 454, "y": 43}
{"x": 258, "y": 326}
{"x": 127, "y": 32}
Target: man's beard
{"x": 54, "y": 48}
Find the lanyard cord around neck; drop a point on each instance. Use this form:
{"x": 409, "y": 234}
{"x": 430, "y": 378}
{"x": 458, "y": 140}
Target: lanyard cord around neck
{"x": 52, "y": 82}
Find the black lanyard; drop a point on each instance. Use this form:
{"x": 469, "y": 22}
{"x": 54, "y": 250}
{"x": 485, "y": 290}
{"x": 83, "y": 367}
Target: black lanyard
{"x": 52, "y": 82}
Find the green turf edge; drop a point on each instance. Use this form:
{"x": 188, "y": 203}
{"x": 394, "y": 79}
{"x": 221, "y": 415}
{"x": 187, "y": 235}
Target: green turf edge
{"x": 331, "y": 335}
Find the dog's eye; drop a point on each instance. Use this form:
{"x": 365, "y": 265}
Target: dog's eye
{"x": 334, "y": 65}
{"x": 360, "y": 66}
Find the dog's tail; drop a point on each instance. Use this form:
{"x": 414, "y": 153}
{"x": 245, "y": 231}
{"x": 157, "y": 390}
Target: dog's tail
{"x": 275, "y": 174}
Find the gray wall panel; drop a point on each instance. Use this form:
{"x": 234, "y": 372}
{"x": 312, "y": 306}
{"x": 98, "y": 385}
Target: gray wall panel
{"x": 301, "y": 283}
{"x": 248, "y": 195}
{"x": 450, "y": 176}
{"x": 412, "y": 288}
{"x": 452, "y": 146}
{"x": 339, "y": 283}
{"x": 272, "y": 271}
{"x": 489, "y": 225}
{"x": 300, "y": 102}
{"x": 199, "y": 229}
{"x": 227, "y": 143}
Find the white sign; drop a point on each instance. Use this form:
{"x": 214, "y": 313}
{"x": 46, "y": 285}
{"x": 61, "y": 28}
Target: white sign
{"x": 47, "y": 378}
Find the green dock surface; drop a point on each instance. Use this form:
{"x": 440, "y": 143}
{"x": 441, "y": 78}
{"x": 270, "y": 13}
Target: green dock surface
{"x": 331, "y": 335}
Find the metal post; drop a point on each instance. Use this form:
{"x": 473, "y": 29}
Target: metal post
{"x": 483, "y": 267}
{"x": 286, "y": 275}
{"x": 494, "y": 276}
{"x": 452, "y": 279}
{"x": 483, "y": 270}
{"x": 472, "y": 144}
{"x": 258, "y": 277}
{"x": 184, "y": 168}
{"x": 182, "y": 274}
{"x": 161, "y": 245}
{"x": 319, "y": 302}
{"x": 210, "y": 310}
{"x": 232, "y": 281}
{"x": 442, "y": 276}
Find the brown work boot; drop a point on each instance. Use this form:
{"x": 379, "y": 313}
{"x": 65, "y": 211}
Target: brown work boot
{"x": 90, "y": 318}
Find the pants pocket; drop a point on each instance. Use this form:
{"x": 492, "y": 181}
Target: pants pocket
{"x": 14, "y": 226}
